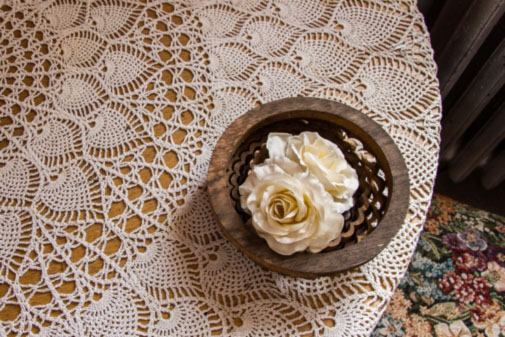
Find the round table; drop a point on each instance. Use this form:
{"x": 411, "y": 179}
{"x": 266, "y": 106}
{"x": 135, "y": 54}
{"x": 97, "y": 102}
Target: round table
{"x": 109, "y": 112}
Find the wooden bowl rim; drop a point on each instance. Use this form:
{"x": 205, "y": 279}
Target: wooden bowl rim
{"x": 306, "y": 264}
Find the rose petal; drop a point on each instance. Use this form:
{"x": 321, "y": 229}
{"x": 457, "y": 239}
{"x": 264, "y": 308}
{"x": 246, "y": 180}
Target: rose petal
{"x": 276, "y": 144}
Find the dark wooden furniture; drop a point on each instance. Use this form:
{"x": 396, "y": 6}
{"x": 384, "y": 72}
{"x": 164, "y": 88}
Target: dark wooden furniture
{"x": 468, "y": 37}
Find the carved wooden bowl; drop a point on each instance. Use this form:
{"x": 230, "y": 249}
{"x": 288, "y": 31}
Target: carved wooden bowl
{"x": 380, "y": 203}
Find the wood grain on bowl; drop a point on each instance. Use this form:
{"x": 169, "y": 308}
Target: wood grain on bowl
{"x": 381, "y": 201}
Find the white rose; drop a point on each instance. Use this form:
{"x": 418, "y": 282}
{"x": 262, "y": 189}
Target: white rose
{"x": 320, "y": 157}
{"x": 290, "y": 208}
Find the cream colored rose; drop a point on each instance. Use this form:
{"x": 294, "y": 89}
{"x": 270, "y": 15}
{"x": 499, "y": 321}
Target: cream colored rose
{"x": 290, "y": 208}
{"x": 321, "y": 158}
{"x": 454, "y": 329}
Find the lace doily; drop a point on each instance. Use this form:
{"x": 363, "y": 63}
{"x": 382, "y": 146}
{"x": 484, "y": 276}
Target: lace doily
{"x": 109, "y": 111}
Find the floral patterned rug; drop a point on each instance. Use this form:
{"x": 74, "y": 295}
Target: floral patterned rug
{"x": 455, "y": 285}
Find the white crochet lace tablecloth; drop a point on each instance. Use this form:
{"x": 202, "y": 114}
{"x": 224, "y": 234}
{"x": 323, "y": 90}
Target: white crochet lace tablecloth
{"x": 109, "y": 112}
